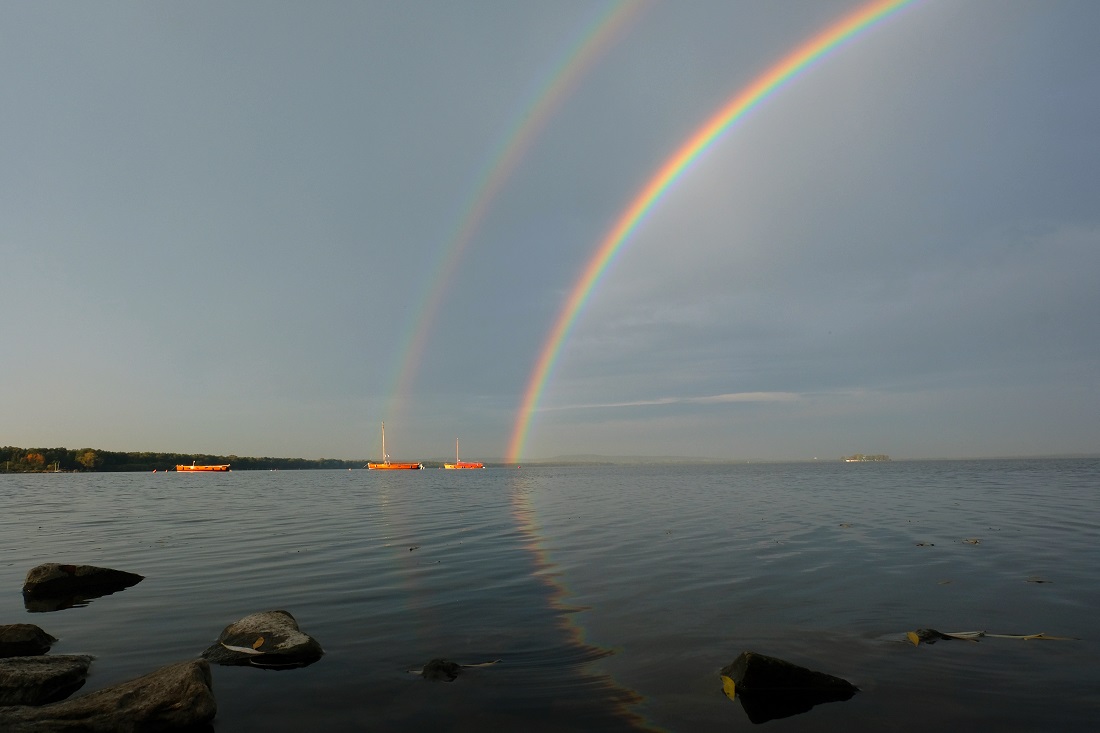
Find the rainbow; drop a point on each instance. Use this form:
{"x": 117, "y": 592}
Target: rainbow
{"x": 595, "y": 37}
{"x": 744, "y": 101}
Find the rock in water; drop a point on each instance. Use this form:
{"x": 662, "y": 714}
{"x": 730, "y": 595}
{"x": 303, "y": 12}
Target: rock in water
{"x": 441, "y": 669}
{"x": 39, "y": 680}
{"x": 754, "y": 672}
{"x": 267, "y": 639}
{"x": 23, "y": 640}
{"x": 174, "y": 698}
{"x": 53, "y": 586}
{"x": 771, "y": 688}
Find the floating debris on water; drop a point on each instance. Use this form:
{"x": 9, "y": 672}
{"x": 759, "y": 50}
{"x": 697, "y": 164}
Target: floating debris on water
{"x": 931, "y": 636}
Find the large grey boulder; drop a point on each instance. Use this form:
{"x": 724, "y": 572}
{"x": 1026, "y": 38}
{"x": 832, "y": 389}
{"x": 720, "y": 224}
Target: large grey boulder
{"x": 770, "y": 688}
{"x": 174, "y": 698}
{"x": 39, "y": 680}
{"x": 54, "y": 586}
{"x": 269, "y": 639}
{"x": 23, "y": 640}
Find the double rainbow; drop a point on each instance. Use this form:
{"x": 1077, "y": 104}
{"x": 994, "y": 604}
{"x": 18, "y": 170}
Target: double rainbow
{"x": 580, "y": 56}
{"x": 755, "y": 93}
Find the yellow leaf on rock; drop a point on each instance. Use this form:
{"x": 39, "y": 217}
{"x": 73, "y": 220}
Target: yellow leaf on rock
{"x": 258, "y": 643}
{"x": 728, "y": 686}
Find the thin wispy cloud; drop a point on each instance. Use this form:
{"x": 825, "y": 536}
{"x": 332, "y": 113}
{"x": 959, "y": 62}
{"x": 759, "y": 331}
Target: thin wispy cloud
{"x": 717, "y": 399}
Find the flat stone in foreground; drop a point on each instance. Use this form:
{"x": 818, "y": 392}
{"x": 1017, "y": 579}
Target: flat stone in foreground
{"x": 269, "y": 639}
{"x": 174, "y": 698}
{"x": 38, "y": 680}
{"x": 23, "y": 640}
{"x": 55, "y": 586}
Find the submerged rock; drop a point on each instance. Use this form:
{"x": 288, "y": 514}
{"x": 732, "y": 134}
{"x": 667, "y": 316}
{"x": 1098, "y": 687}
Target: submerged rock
{"x": 38, "y": 680}
{"x": 174, "y": 698}
{"x": 770, "y": 688}
{"x": 267, "y": 639}
{"x": 54, "y": 587}
{"x": 929, "y": 636}
{"x": 23, "y": 640}
{"x": 446, "y": 670}
{"x": 441, "y": 669}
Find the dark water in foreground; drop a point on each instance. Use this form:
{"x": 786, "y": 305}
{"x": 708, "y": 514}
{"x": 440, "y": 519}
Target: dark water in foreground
{"x": 611, "y": 595}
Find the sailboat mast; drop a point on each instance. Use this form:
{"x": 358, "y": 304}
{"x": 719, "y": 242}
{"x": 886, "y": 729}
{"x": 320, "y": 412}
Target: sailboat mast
{"x": 456, "y": 450}
{"x": 385, "y": 458}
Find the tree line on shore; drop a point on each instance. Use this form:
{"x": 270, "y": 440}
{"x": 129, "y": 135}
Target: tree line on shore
{"x": 45, "y": 460}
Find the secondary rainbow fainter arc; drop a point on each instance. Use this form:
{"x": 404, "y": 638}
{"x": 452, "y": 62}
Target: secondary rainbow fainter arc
{"x": 589, "y": 46}
{"x": 756, "y": 92}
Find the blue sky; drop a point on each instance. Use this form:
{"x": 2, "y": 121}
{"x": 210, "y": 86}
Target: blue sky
{"x": 219, "y": 219}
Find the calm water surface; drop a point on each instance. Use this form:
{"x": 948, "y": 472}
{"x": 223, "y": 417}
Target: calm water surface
{"x": 611, "y": 595}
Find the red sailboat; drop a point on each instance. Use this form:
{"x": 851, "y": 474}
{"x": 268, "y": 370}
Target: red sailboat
{"x": 462, "y": 464}
{"x": 386, "y": 465}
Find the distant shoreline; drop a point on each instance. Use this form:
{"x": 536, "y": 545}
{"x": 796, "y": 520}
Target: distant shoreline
{"x": 94, "y": 460}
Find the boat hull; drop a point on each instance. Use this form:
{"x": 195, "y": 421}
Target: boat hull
{"x": 193, "y": 468}
{"x": 395, "y": 466}
{"x": 463, "y": 465}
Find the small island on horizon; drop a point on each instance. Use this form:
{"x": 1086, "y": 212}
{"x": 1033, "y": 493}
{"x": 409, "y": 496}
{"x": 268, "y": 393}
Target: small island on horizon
{"x": 861, "y": 458}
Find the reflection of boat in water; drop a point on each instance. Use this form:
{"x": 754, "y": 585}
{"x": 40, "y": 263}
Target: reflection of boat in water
{"x": 194, "y": 467}
{"x": 386, "y": 465}
{"x": 462, "y": 464}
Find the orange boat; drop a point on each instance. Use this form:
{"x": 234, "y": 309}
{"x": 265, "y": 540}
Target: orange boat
{"x": 462, "y": 464}
{"x": 194, "y": 467}
{"x": 386, "y": 465}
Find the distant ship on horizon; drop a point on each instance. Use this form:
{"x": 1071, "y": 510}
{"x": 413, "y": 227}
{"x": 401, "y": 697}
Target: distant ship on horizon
{"x": 860, "y": 458}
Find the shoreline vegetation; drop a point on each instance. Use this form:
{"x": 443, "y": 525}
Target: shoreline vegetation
{"x": 93, "y": 460}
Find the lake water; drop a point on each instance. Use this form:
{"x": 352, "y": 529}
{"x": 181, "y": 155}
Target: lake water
{"x": 612, "y": 596}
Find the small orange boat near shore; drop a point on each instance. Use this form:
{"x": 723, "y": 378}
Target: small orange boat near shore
{"x": 462, "y": 464}
{"x": 194, "y": 467}
{"x": 386, "y": 465}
